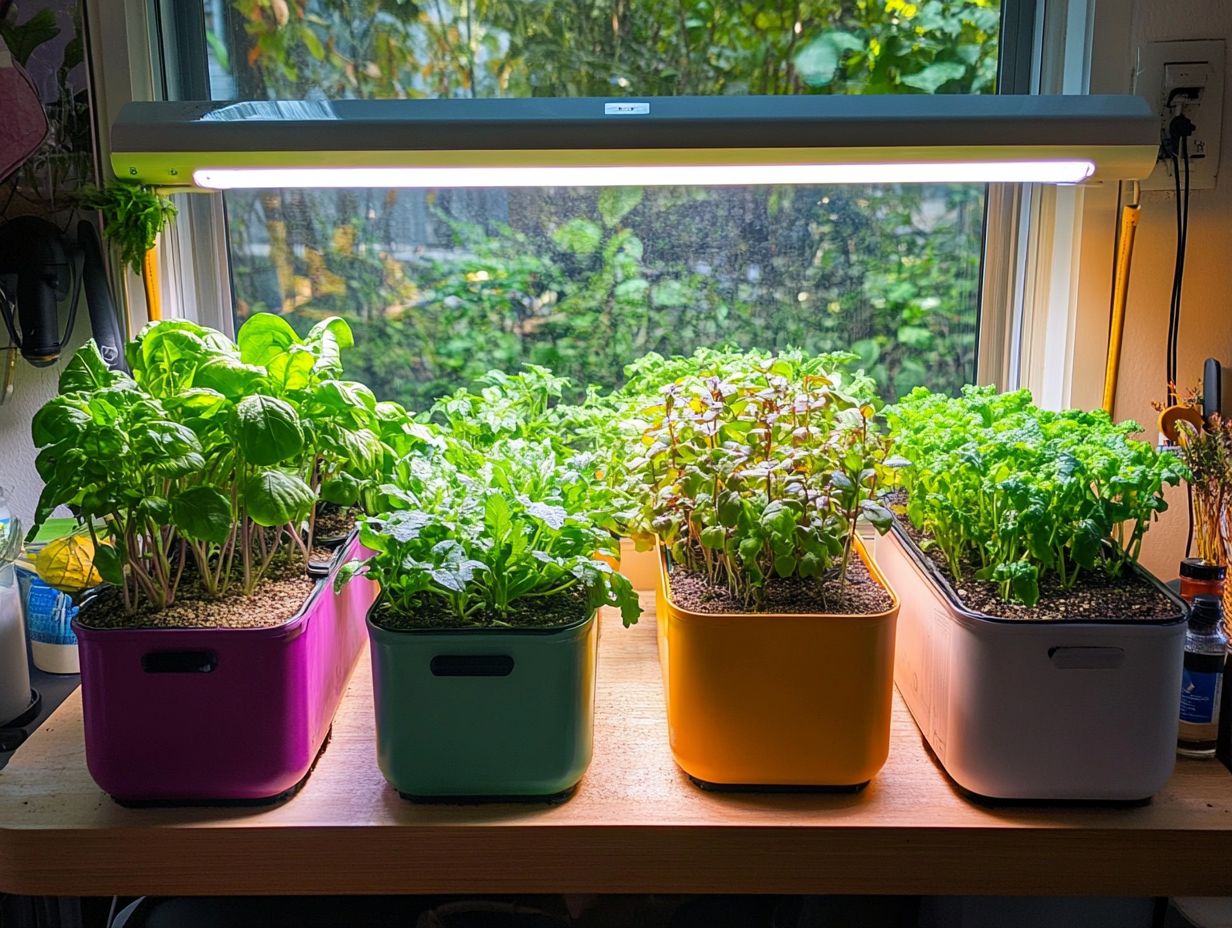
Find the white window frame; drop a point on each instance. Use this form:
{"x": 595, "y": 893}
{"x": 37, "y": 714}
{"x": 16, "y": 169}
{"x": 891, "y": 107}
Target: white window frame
{"x": 194, "y": 276}
{"x": 1036, "y": 238}
{"x": 1067, "y": 274}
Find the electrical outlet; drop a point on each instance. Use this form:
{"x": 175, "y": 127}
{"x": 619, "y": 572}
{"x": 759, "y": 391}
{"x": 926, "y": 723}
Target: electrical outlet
{"x": 1185, "y": 78}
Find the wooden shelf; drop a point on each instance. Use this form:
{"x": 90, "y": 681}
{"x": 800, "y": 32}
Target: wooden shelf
{"x": 636, "y": 824}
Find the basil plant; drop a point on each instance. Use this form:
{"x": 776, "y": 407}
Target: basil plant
{"x": 212, "y": 451}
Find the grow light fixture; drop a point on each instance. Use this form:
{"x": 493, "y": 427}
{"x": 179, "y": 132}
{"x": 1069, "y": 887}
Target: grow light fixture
{"x": 1043, "y": 172}
{"x": 703, "y": 141}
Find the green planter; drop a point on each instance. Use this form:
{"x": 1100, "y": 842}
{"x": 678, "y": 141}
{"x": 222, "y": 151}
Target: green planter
{"x": 484, "y": 714}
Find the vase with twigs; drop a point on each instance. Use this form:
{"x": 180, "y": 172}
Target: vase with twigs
{"x": 1207, "y": 453}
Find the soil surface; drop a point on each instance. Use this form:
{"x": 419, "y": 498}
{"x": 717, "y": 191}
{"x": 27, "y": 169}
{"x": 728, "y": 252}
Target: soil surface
{"x": 549, "y": 612}
{"x": 333, "y": 522}
{"x": 276, "y": 600}
{"x": 321, "y": 555}
{"x": 1095, "y": 597}
{"x": 860, "y": 595}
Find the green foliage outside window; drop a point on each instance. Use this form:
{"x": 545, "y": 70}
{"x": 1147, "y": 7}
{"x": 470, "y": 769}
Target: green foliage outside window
{"x": 582, "y": 281}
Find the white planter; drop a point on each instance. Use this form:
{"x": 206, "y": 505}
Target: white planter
{"x": 1049, "y": 710}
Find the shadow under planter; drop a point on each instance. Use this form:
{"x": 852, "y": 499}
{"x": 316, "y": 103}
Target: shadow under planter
{"x": 1036, "y": 710}
{"x": 484, "y": 714}
{"x": 219, "y": 715}
{"x": 777, "y": 701}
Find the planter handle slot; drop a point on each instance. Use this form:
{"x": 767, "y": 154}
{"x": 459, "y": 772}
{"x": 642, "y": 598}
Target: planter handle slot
{"x": 179, "y": 662}
{"x": 1079, "y": 658}
{"x": 471, "y": 665}
{"x": 318, "y": 570}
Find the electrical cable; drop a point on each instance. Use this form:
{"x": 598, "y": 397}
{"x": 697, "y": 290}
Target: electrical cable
{"x": 1179, "y": 131}
{"x": 1176, "y": 149}
{"x": 1170, "y": 351}
{"x": 8, "y": 312}
{"x": 1180, "y": 280}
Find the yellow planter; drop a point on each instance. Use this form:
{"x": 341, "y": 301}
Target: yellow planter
{"x": 641, "y": 567}
{"x": 777, "y": 700}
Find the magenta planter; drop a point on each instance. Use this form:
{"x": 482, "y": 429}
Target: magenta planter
{"x": 219, "y": 715}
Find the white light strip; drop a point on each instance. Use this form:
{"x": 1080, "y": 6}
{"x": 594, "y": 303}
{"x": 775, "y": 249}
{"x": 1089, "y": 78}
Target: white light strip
{"x": 706, "y": 175}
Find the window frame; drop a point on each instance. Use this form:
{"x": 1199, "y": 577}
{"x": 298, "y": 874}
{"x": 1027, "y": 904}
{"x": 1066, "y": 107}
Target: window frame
{"x": 140, "y": 50}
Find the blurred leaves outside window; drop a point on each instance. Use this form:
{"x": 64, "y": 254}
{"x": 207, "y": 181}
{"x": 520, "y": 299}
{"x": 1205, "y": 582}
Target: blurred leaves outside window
{"x": 443, "y": 285}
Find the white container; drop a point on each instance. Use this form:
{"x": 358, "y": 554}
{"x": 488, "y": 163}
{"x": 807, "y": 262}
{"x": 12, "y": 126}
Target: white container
{"x": 1049, "y": 710}
{"x": 14, "y": 665}
{"x": 55, "y": 658}
{"x": 49, "y": 624}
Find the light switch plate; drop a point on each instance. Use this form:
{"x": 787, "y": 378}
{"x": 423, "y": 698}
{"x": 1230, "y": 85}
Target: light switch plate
{"x": 1167, "y": 66}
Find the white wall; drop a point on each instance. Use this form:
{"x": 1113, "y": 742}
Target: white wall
{"x": 32, "y": 387}
{"x": 1206, "y": 313}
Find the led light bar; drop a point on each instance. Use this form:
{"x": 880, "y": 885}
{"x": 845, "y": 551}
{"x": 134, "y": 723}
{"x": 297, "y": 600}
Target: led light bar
{"x": 980, "y": 172}
{"x": 662, "y": 140}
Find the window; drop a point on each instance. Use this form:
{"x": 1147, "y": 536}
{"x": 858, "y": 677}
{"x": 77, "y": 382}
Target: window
{"x": 443, "y": 285}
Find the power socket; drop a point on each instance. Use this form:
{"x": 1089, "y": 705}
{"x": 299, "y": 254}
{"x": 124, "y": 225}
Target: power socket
{"x": 1185, "y": 78}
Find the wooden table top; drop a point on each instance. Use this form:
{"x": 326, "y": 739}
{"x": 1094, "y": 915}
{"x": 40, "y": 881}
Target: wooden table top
{"x": 636, "y": 824}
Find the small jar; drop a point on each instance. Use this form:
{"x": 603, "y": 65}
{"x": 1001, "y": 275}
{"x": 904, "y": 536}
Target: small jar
{"x": 1199, "y": 578}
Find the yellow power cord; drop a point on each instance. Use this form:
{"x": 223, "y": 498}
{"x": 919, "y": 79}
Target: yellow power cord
{"x": 1120, "y": 294}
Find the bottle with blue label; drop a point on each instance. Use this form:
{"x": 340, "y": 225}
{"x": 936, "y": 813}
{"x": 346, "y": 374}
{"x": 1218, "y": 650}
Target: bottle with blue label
{"x": 15, "y": 693}
{"x": 1206, "y": 653}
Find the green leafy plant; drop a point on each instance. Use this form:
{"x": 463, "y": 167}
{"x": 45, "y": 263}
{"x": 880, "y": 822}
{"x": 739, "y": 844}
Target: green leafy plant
{"x": 116, "y": 454}
{"x": 522, "y": 405}
{"x": 1009, "y": 493}
{"x": 213, "y": 452}
{"x": 626, "y": 414}
{"x": 762, "y": 473}
{"x": 472, "y": 535}
{"x": 1207, "y": 454}
{"x": 133, "y": 217}
{"x": 581, "y": 281}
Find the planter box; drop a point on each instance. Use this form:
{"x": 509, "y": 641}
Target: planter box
{"x": 640, "y": 567}
{"x": 219, "y": 715}
{"x": 484, "y": 714}
{"x": 768, "y": 700}
{"x": 1036, "y": 709}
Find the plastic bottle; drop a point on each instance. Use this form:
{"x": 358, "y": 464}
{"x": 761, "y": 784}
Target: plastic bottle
{"x": 15, "y": 694}
{"x": 1206, "y": 655}
{"x": 1223, "y": 746}
{"x": 1199, "y": 578}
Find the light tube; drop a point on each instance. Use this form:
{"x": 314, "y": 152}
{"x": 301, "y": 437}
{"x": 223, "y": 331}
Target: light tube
{"x": 705, "y": 175}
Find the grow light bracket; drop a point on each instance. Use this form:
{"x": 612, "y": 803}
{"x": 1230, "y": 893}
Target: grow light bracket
{"x": 664, "y": 140}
